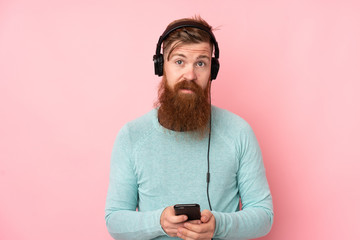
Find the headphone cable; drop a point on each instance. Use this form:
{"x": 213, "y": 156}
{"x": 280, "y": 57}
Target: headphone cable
{"x": 208, "y": 155}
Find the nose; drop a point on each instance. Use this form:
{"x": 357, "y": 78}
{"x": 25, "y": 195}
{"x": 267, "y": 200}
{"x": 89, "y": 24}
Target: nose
{"x": 190, "y": 74}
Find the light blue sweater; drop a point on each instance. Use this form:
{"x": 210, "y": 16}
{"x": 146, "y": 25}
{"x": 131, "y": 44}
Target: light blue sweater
{"x": 153, "y": 167}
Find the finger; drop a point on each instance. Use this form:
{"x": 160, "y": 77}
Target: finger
{"x": 172, "y": 228}
{"x": 188, "y": 234}
{"x": 179, "y": 235}
{"x": 205, "y": 216}
{"x": 198, "y": 228}
{"x": 177, "y": 219}
{"x": 174, "y": 225}
{"x": 204, "y": 219}
{"x": 194, "y": 221}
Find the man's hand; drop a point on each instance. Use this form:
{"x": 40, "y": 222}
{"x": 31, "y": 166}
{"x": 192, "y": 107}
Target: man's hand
{"x": 170, "y": 222}
{"x": 204, "y": 230}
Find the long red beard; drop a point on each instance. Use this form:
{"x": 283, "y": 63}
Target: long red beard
{"x": 184, "y": 111}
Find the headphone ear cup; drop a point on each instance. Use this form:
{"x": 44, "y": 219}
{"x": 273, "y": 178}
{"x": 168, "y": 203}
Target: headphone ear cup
{"x": 215, "y": 66}
{"x": 158, "y": 64}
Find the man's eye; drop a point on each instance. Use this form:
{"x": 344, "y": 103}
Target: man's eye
{"x": 179, "y": 62}
{"x": 201, "y": 64}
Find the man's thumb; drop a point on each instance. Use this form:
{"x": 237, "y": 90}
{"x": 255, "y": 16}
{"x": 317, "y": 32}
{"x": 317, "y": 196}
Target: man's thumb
{"x": 205, "y": 216}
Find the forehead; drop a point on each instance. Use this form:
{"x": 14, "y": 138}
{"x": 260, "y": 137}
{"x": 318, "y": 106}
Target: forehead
{"x": 203, "y": 48}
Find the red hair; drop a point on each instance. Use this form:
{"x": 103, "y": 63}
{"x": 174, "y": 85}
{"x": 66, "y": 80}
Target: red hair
{"x": 186, "y": 35}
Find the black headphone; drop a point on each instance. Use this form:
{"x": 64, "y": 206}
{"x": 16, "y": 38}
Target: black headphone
{"x": 158, "y": 58}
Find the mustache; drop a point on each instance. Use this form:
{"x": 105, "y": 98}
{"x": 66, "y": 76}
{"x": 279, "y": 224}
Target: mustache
{"x": 189, "y": 85}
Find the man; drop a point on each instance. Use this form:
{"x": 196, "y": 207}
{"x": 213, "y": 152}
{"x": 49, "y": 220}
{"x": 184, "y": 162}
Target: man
{"x": 187, "y": 151}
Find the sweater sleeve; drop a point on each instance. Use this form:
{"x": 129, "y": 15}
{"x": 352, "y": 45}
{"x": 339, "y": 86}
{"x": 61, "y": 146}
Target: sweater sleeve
{"x": 122, "y": 219}
{"x": 256, "y": 217}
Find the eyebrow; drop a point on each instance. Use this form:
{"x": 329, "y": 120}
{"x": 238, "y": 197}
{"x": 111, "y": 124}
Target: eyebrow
{"x": 203, "y": 56}
{"x": 177, "y": 54}
{"x": 182, "y": 55}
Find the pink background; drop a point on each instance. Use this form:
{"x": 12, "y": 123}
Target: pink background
{"x": 73, "y": 72}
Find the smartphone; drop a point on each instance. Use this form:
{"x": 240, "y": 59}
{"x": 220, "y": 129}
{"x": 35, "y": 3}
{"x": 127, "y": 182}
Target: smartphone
{"x": 192, "y": 211}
